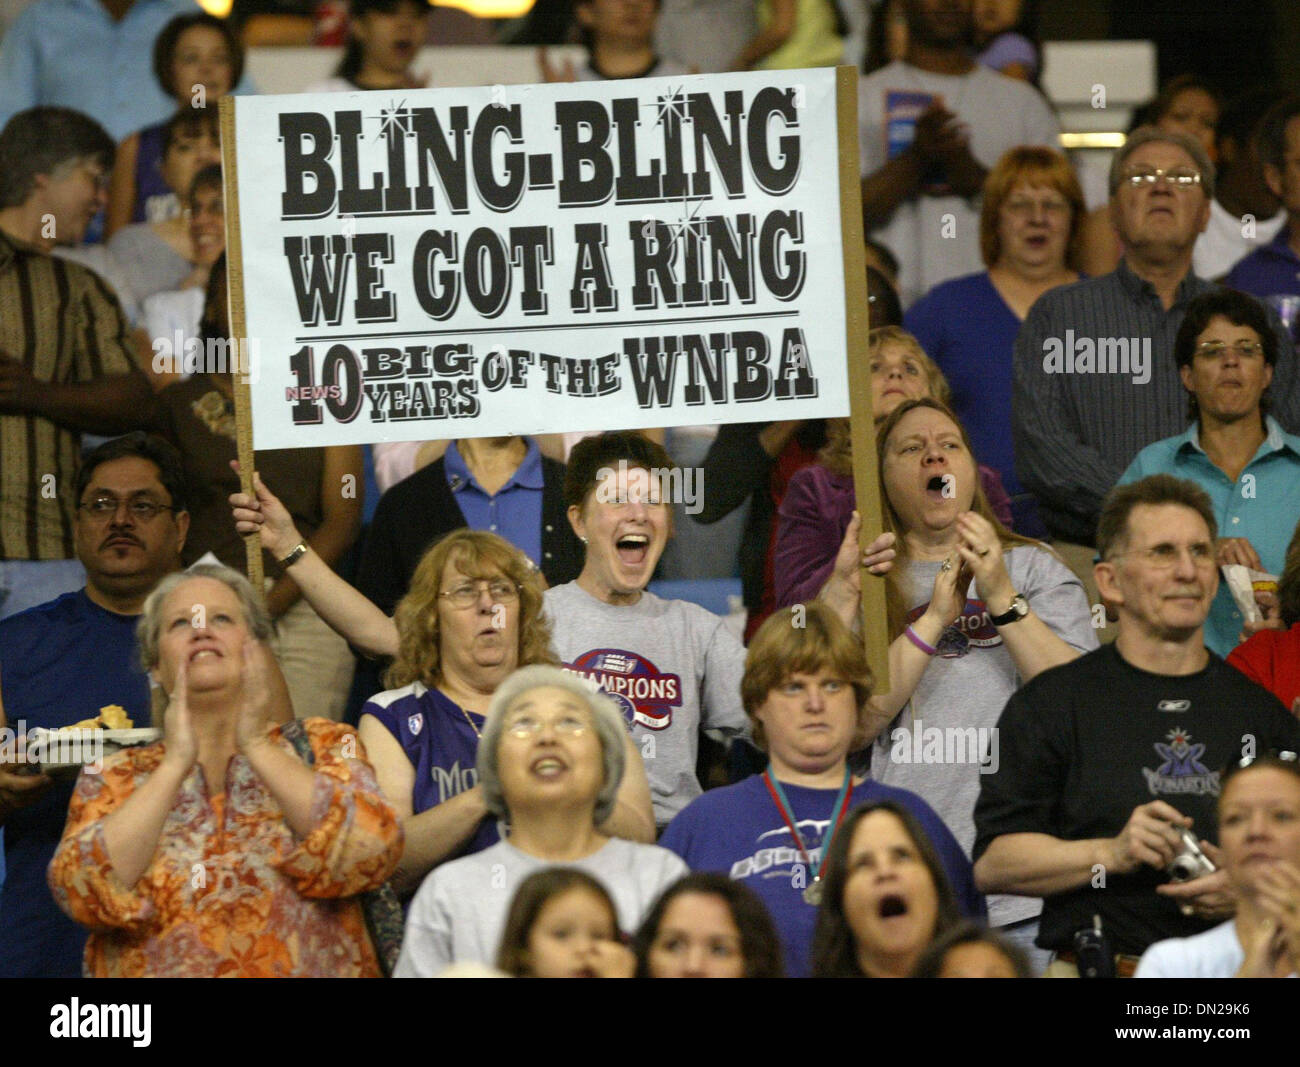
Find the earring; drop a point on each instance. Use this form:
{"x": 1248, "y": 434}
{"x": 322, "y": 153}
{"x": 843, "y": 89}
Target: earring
{"x": 583, "y": 540}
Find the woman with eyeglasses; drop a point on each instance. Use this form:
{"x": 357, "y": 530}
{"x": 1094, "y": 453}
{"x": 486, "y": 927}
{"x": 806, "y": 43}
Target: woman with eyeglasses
{"x": 550, "y": 764}
{"x": 1029, "y": 239}
{"x": 1259, "y": 847}
{"x": 1226, "y": 351}
{"x": 472, "y": 616}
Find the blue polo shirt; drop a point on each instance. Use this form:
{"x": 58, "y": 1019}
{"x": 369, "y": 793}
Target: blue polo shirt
{"x": 72, "y": 53}
{"x": 1269, "y": 271}
{"x": 514, "y": 511}
{"x": 1263, "y": 505}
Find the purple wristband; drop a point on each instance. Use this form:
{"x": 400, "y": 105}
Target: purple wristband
{"x": 912, "y": 636}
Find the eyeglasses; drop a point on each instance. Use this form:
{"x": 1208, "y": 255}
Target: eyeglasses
{"x": 142, "y": 509}
{"x": 526, "y": 726}
{"x": 1166, "y": 557}
{"x": 467, "y": 594}
{"x": 1183, "y": 177}
{"x": 1215, "y": 349}
{"x": 1024, "y": 209}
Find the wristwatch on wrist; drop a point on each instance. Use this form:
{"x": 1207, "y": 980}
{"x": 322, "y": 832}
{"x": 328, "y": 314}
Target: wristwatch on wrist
{"x": 293, "y": 557}
{"x": 1018, "y": 610}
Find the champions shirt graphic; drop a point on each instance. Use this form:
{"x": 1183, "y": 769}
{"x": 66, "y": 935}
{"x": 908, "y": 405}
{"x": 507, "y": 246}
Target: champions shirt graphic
{"x": 644, "y": 694}
{"x": 1182, "y": 770}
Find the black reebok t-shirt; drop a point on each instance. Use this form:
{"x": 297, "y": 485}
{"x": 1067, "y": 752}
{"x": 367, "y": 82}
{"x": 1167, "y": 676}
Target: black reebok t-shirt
{"x": 1084, "y": 744}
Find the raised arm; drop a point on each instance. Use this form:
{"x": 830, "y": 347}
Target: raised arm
{"x": 132, "y": 829}
{"x": 334, "y": 600}
{"x": 342, "y": 492}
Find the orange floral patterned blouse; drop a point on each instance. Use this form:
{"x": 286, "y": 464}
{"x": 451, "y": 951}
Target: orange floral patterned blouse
{"x": 231, "y": 891}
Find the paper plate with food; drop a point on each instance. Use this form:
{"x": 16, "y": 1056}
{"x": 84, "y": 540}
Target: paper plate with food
{"x": 65, "y": 751}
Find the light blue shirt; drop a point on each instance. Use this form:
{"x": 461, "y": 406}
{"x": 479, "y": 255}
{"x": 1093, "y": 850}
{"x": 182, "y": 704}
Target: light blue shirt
{"x": 71, "y": 53}
{"x": 1263, "y": 505}
{"x": 514, "y": 511}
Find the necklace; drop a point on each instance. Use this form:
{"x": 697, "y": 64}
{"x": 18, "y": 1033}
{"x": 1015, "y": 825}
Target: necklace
{"x": 477, "y": 732}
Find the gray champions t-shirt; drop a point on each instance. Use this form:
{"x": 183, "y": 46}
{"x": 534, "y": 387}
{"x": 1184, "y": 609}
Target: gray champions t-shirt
{"x": 672, "y": 667}
{"x": 938, "y": 742}
{"x": 459, "y": 913}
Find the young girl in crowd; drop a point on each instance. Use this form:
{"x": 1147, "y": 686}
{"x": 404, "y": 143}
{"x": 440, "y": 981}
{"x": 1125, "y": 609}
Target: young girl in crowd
{"x": 157, "y": 256}
{"x": 197, "y": 59}
{"x": 1007, "y": 37}
{"x": 707, "y": 926}
{"x": 970, "y": 950}
{"x": 384, "y": 37}
{"x": 563, "y": 924}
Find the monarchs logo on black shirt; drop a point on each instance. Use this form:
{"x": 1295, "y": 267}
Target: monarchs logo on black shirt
{"x": 1182, "y": 771}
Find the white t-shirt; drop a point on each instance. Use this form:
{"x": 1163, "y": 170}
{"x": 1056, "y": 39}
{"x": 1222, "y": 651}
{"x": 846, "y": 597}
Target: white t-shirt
{"x": 1000, "y": 112}
{"x": 460, "y": 912}
{"x": 1220, "y": 247}
{"x": 1214, "y": 954}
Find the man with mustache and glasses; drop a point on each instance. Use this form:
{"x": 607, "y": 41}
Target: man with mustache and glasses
{"x": 62, "y": 661}
{"x": 1107, "y": 759}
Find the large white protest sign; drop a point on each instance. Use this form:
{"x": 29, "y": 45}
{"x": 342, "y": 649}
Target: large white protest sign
{"x": 525, "y": 259}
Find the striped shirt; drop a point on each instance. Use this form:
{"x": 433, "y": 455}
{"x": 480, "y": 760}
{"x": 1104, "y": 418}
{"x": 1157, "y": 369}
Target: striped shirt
{"x": 1094, "y": 382}
{"x": 64, "y": 325}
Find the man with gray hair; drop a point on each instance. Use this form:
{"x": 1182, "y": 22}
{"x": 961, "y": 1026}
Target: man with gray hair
{"x": 1094, "y": 379}
{"x": 1110, "y": 764}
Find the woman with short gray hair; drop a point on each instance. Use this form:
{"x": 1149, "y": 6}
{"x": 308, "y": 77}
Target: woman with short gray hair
{"x": 549, "y": 763}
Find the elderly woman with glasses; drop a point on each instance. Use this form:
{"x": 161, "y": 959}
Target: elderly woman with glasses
{"x": 218, "y": 851}
{"x": 1259, "y": 847}
{"x": 549, "y": 764}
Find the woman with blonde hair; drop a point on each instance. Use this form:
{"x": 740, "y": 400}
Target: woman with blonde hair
{"x": 1030, "y": 223}
{"x": 975, "y": 611}
{"x": 819, "y": 502}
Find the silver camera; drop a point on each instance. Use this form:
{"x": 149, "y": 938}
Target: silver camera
{"x": 1190, "y": 862}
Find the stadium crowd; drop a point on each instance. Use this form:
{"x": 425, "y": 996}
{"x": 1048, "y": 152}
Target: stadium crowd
{"x": 464, "y": 730}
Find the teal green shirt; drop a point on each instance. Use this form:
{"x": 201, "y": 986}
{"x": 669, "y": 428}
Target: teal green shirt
{"x": 1263, "y": 505}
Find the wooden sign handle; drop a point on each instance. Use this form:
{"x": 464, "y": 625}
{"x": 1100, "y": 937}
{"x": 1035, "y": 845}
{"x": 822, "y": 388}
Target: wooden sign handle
{"x": 866, "y": 481}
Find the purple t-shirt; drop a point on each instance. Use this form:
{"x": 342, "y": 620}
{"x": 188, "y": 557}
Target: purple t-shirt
{"x": 442, "y": 745}
{"x": 738, "y": 831}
